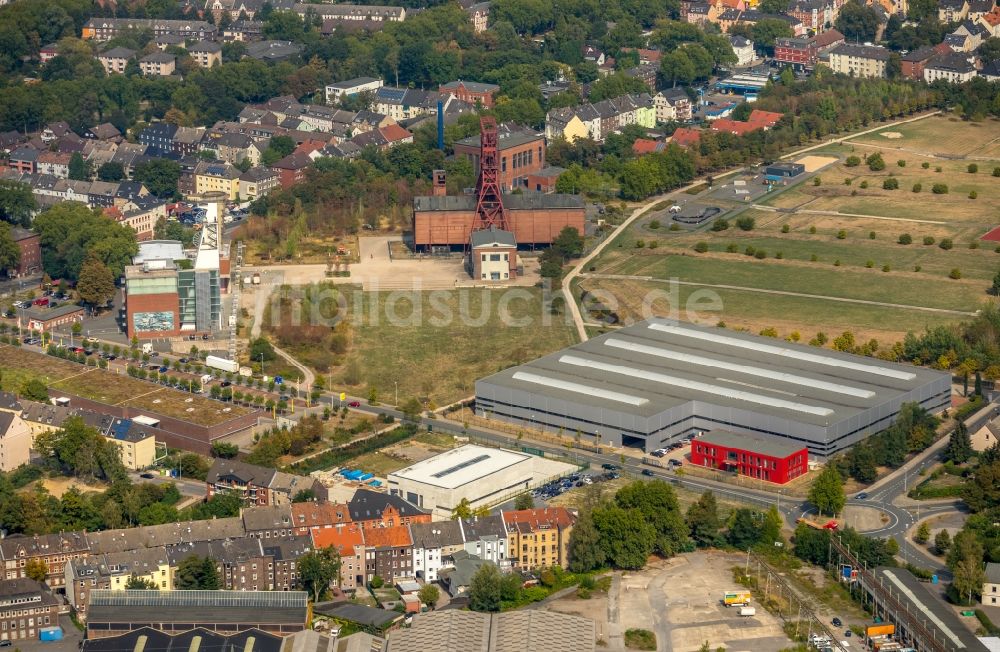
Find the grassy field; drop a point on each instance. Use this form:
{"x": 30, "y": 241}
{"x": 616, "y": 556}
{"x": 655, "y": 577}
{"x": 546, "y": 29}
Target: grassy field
{"x": 115, "y": 389}
{"x": 857, "y": 227}
{"x": 754, "y": 311}
{"x": 938, "y": 135}
{"x": 440, "y": 342}
{"x": 19, "y": 366}
{"x": 820, "y": 278}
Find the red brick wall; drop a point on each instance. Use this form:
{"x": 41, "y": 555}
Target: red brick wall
{"x": 31, "y": 255}
{"x": 154, "y": 303}
{"x": 529, "y": 226}
{"x": 508, "y": 156}
{"x": 749, "y": 462}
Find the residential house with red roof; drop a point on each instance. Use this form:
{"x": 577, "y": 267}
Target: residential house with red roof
{"x": 686, "y": 136}
{"x": 388, "y": 553}
{"x": 538, "y": 538}
{"x": 314, "y": 516}
{"x": 349, "y": 541}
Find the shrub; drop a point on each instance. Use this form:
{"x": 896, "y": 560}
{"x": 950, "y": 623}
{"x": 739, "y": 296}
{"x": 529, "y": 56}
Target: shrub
{"x": 974, "y": 244}
{"x": 812, "y": 229}
{"x": 925, "y": 165}
{"x": 864, "y": 184}
{"x": 701, "y": 247}
{"x": 875, "y": 162}
{"x": 886, "y": 268}
{"x": 940, "y": 189}
{"x": 847, "y": 182}
{"x": 955, "y": 273}
{"x": 745, "y": 223}
{"x": 654, "y": 224}
{"x": 779, "y": 255}
{"x": 973, "y": 168}
{"x": 905, "y": 239}
{"x": 917, "y": 187}
{"x": 946, "y": 244}
{"x": 675, "y": 227}
{"x": 901, "y": 163}
{"x": 890, "y": 184}
{"x": 917, "y": 268}
{"x": 760, "y": 254}
{"x": 937, "y": 169}
{"x": 997, "y": 250}
{"x": 842, "y": 234}
{"x": 653, "y": 244}
{"x": 785, "y": 228}
{"x": 640, "y": 639}
{"x": 928, "y": 240}
{"x": 869, "y": 264}
{"x": 731, "y": 248}
{"x": 814, "y": 258}
{"x": 816, "y": 181}
{"x": 836, "y": 263}
{"x": 639, "y": 244}
{"x": 852, "y": 161}
{"x": 996, "y": 172}
{"x": 854, "y": 193}
{"x": 750, "y": 251}
{"x": 720, "y": 224}
{"x": 973, "y": 194}
{"x": 871, "y": 235}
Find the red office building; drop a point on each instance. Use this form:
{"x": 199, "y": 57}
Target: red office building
{"x": 766, "y": 459}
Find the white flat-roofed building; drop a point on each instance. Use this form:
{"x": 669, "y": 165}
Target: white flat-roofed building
{"x": 484, "y": 476}
{"x": 658, "y": 381}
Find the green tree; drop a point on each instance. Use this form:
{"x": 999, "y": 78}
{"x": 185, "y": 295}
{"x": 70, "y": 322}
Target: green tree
{"x": 524, "y": 501}
{"x": 225, "y": 450}
{"x": 36, "y": 569}
{"x": 965, "y": 560}
{"x": 159, "y": 175}
{"x": 485, "y": 589}
{"x": 304, "y": 496}
{"x": 317, "y": 568}
{"x": 657, "y": 503}
{"x": 70, "y": 232}
{"x": 994, "y": 289}
{"x": 959, "y": 448}
{"x": 429, "y": 595}
{"x": 79, "y": 169}
{"x": 857, "y": 22}
{"x": 34, "y": 390}
{"x": 827, "y": 491}
{"x": 923, "y": 533}
{"x": 463, "y": 510}
{"x": 136, "y": 583}
{"x": 703, "y": 520}
{"x": 261, "y": 349}
{"x": 97, "y": 284}
{"x": 942, "y": 541}
{"x": 111, "y": 171}
{"x": 569, "y": 242}
{"x": 585, "y": 549}
{"x": 982, "y": 492}
{"x": 744, "y": 528}
{"x": 10, "y": 253}
{"x": 196, "y": 572}
{"x": 861, "y": 463}
{"x": 626, "y": 537}
{"x": 17, "y": 203}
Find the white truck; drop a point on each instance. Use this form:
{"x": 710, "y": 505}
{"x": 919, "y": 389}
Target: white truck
{"x": 747, "y": 612}
{"x": 147, "y": 347}
{"x": 206, "y": 379}
{"x": 224, "y": 364}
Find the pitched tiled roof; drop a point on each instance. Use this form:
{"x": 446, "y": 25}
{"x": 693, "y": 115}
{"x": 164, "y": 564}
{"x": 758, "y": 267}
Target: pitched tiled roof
{"x": 319, "y": 514}
{"x": 368, "y": 505}
{"x": 397, "y": 536}
{"x": 540, "y": 518}
{"x": 346, "y": 539}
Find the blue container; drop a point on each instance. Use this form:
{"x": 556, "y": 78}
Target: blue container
{"x": 50, "y": 634}
{"x": 278, "y": 380}
{"x": 934, "y": 579}
{"x": 375, "y": 483}
{"x": 366, "y": 476}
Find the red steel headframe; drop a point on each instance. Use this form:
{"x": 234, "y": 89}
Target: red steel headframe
{"x": 490, "y": 211}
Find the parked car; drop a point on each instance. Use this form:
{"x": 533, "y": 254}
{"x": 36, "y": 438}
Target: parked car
{"x": 354, "y": 404}
{"x": 837, "y": 622}
{"x": 648, "y": 472}
{"x": 861, "y": 496}
{"x": 147, "y": 475}
{"x": 164, "y": 369}
{"x": 607, "y": 466}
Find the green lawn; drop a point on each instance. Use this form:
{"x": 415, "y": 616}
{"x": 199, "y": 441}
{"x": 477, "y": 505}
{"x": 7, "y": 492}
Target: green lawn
{"x": 19, "y": 366}
{"x": 455, "y": 337}
{"x": 946, "y": 135}
{"x": 810, "y": 278}
{"x": 755, "y": 311}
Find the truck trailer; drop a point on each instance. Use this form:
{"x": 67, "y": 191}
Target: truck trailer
{"x": 222, "y": 363}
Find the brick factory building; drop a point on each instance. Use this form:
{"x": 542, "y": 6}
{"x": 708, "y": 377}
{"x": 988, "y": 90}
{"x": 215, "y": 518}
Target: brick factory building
{"x": 522, "y": 154}
{"x": 769, "y": 460}
{"x": 534, "y": 219}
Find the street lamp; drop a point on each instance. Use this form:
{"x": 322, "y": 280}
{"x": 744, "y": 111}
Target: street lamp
{"x": 395, "y": 386}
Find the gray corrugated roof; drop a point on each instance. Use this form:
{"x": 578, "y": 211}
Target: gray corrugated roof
{"x": 771, "y": 447}
{"x": 493, "y": 236}
{"x": 823, "y": 391}
{"x": 511, "y": 202}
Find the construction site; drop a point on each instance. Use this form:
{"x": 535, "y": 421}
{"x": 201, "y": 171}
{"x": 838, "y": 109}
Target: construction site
{"x": 488, "y": 222}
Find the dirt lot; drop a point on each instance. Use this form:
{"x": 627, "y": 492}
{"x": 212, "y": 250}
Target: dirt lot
{"x": 683, "y": 619}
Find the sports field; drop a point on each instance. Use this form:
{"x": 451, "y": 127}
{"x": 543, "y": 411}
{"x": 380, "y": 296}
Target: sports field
{"x": 840, "y": 239}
